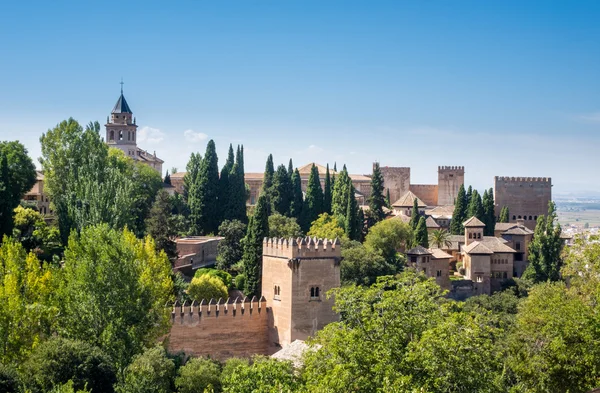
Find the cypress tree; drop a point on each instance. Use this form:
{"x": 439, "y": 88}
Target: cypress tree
{"x": 290, "y": 169}
{"x": 167, "y": 178}
{"x": 460, "y": 212}
{"x": 361, "y": 225}
{"x": 388, "y": 202}
{"x": 161, "y": 226}
{"x": 504, "y": 214}
{"x": 488, "y": 212}
{"x": 204, "y": 213}
{"x": 225, "y": 187}
{"x": 267, "y": 186}
{"x": 313, "y": 203}
{"x": 421, "y": 235}
{"x": 297, "y": 198}
{"x": 335, "y": 166}
{"x": 414, "y": 216}
{"x": 476, "y": 206}
{"x": 281, "y": 194}
{"x": 377, "y": 200}
{"x": 469, "y": 195}
{"x": 192, "y": 168}
{"x": 258, "y": 229}
{"x": 351, "y": 221}
{"x": 339, "y": 199}
{"x": 236, "y": 209}
{"x": 327, "y": 193}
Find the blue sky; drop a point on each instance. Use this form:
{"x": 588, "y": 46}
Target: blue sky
{"x": 502, "y": 87}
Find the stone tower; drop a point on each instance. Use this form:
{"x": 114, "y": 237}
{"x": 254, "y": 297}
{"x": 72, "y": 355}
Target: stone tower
{"x": 296, "y": 274}
{"x": 450, "y": 178}
{"x": 396, "y": 180}
{"x": 121, "y": 128}
{"x": 526, "y": 198}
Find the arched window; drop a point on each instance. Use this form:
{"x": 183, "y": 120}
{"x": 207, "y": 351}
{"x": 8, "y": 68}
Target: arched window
{"x": 519, "y": 217}
{"x": 112, "y": 136}
{"x": 535, "y": 218}
{"x": 514, "y": 217}
{"x": 133, "y": 135}
{"x": 312, "y": 292}
{"x": 530, "y": 218}
{"x": 120, "y": 135}
{"x": 317, "y": 292}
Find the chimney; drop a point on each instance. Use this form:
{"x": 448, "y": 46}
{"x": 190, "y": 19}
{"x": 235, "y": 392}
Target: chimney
{"x": 520, "y": 221}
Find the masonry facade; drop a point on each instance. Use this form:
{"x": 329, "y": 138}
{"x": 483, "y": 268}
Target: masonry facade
{"x": 527, "y": 198}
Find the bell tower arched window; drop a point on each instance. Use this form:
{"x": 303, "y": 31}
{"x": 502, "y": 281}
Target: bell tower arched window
{"x": 112, "y": 136}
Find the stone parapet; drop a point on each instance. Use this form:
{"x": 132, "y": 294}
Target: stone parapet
{"x": 307, "y": 247}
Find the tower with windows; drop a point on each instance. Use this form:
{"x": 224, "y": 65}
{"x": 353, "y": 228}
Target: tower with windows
{"x": 121, "y": 129}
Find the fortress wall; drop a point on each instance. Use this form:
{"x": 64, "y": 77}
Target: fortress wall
{"x": 234, "y": 328}
{"x": 524, "y": 196}
{"x": 397, "y": 180}
{"x": 428, "y": 193}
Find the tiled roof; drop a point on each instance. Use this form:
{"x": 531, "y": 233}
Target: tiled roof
{"x": 473, "y": 222}
{"x": 145, "y": 156}
{"x": 430, "y": 223}
{"x": 477, "y": 248}
{"x": 407, "y": 200}
{"x": 488, "y": 245}
{"x": 519, "y": 230}
{"x": 439, "y": 254}
{"x": 418, "y": 250}
{"x": 401, "y": 217}
{"x": 121, "y": 106}
{"x": 504, "y": 226}
{"x": 439, "y": 211}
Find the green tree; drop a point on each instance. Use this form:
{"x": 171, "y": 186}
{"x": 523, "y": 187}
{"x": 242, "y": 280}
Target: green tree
{"x": 468, "y": 196}
{"x": 282, "y": 226}
{"x": 258, "y": 229}
{"x": 460, "y": 212}
{"x": 353, "y": 222}
{"x": 339, "y": 199}
{"x": 9, "y": 379}
{"x": 167, "y": 179}
{"x": 387, "y": 238}
{"x": 504, "y": 214}
{"x": 327, "y": 227}
{"x": 199, "y": 375}
{"x": 377, "y": 200}
{"x": 84, "y": 185}
{"x": 221, "y": 274}
{"x": 440, "y": 238}
{"x": 290, "y": 169}
{"x": 281, "y": 192}
{"x": 192, "y": 170}
{"x": 327, "y": 190}
{"x": 123, "y": 283}
{"x": 68, "y": 388}
{"x": 545, "y": 261}
{"x": 313, "y": 203}
{"x": 149, "y": 372}
{"x": 388, "y": 202}
{"x": 267, "y": 186}
{"x": 414, "y": 215}
{"x": 421, "y": 235}
{"x": 263, "y": 375}
{"x": 237, "y": 198}
{"x": 489, "y": 215}
{"x": 60, "y": 360}
{"x": 204, "y": 195}
{"x": 32, "y": 231}
{"x": 225, "y": 186}
{"x": 362, "y": 266}
{"x": 17, "y": 176}
{"x": 207, "y": 287}
{"x": 297, "y": 197}
{"x": 475, "y": 206}
{"x": 161, "y": 225}
{"x": 229, "y": 251}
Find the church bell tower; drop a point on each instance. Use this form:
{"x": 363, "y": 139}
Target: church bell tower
{"x": 121, "y": 128}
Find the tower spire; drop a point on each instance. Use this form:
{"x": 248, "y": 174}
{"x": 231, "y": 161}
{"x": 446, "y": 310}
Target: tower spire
{"x": 122, "y": 85}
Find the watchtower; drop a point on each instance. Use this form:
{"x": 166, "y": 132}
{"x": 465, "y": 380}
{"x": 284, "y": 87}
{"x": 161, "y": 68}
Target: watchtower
{"x": 121, "y": 128}
{"x": 526, "y": 198}
{"x": 450, "y": 178}
{"x": 296, "y": 275}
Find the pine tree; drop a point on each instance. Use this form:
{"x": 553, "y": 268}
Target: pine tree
{"x": 167, "y": 178}
{"x": 258, "y": 229}
{"x": 414, "y": 216}
{"x": 488, "y": 212}
{"x": 421, "y": 235}
{"x": 225, "y": 186}
{"x": 160, "y": 224}
{"x": 377, "y": 200}
{"x": 267, "y": 186}
{"x": 313, "y": 203}
{"x": 281, "y": 194}
{"x": 339, "y": 198}
{"x": 297, "y": 198}
{"x": 545, "y": 260}
{"x": 351, "y": 221}
{"x": 476, "y": 206}
{"x": 327, "y": 193}
{"x": 205, "y": 209}
{"x": 460, "y": 212}
{"x": 236, "y": 209}
{"x": 504, "y": 214}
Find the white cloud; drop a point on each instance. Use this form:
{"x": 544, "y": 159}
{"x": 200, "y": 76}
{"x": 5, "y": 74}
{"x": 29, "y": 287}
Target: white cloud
{"x": 194, "y": 137}
{"x": 150, "y": 135}
{"x": 593, "y": 117}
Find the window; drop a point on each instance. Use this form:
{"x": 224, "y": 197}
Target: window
{"x": 535, "y": 218}
{"x": 514, "y": 217}
{"x": 424, "y": 270}
{"x": 439, "y": 273}
{"x": 518, "y": 246}
{"x": 504, "y": 275}
{"x": 120, "y": 135}
{"x": 277, "y": 292}
{"x": 128, "y": 135}
{"x": 519, "y": 217}
{"x": 470, "y": 236}
{"x": 530, "y": 218}
{"x": 413, "y": 259}
{"x": 479, "y": 279}
{"x": 133, "y": 136}
{"x": 479, "y": 236}
{"x": 315, "y": 293}
{"x": 519, "y": 257}
{"x": 112, "y": 136}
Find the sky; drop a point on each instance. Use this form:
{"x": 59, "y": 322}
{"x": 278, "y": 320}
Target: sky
{"x": 504, "y": 88}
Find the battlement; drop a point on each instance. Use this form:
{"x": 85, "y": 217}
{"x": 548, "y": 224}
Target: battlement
{"x": 451, "y": 168}
{"x": 306, "y": 247}
{"x": 193, "y": 313}
{"x": 508, "y": 179}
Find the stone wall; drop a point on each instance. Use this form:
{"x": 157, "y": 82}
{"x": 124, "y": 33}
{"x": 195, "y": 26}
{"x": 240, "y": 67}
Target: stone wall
{"x": 525, "y": 197}
{"x": 450, "y": 178}
{"x": 397, "y": 180}
{"x": 428, "y": 193}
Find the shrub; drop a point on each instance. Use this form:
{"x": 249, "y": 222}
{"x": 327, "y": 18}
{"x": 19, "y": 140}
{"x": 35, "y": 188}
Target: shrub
{"x": 240, "y": 281}
{"x": 207, "y": 287}
{"x": 199, "y": 375}
{"x": 149, "y": 372}
{"x": 9, "y": 380}
{"x": 223, "y": 275}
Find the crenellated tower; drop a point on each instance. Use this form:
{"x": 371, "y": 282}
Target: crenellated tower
{"x": 450, "y": 178}
{"x": 526, "y": 198}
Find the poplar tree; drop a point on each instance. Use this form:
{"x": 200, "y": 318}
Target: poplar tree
{"x": 377, "y": 200}
{"x": 504, "y": 214}
{"x": 414, "y": 216}
{"x": 297, "y": 198}
{"x": 545, "y": 260}
{"x": 421, "y": 235}
{"x": 460, "y": 212}
{"x": 258, "y": 229}
{"x": 205, "y": 207}
{"x": 225, "y": 186}
{"x": 488, "y": 212}
{"x": 327, "y": 193}
{"x": 281, "y": 194}
{"x": 476, "y": 206}
{"x": 267, "y": 186}
{"x": 313, "y": 203}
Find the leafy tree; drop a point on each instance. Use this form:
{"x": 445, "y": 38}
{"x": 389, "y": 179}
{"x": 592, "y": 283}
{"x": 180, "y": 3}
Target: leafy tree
{"x": 475, "y": 206}
{"x": 387, "y": 238}
{"x": 421, "y": 235}
{"x": 150, "y": 372}
{"x": 84, "y": 185}
{"x": 68, "y": 388}
{"x": 161, "y": 225}
{"x": 221, "y": 274}
{"x": 123, "y": 283}
{"x": 32, "y": 231}
{"x": 582, "y": 267}
{"x": 504, "y": 214}
{"x": 191, "y": 175}
{"x": 362, "y": 266}
{"x": 489, "y": 215}
{"x": 229, "y": 251}
{"x": 281, "y": 192}
{"x": 199, "y": 375}
{"x": 225, "y": 186}
{"x": 17, "y": 176}
{"x": 282, "y": 226}
{"x": 27, "y": 309}
{"x": 60, "y": 360}
{"x": 352, "y": 222}
{"x": 167, "y": 179}
{"x": 414, "y": 215}
{"x": 204, "y": 195}
{"x": 377, "y": 200}
{"x": 313, "y": 203}
{"x": 207, "y": 287}
{"x": 263, "y": 375}
{"x": 501, "y": 306}
{"x": 554, "y": 345}
{"x": 460, "y": 212}
{"x": 258, "y": 229}
{"x": 327, "y": 227}
{"x": 339, "y": 201}
{"x": 297, "y": 197}
{"x": 9, "y": 379}
{"x": 327, "y": 190}
{"x": 440, "y": 238}
{"x": 545, "y": 259}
